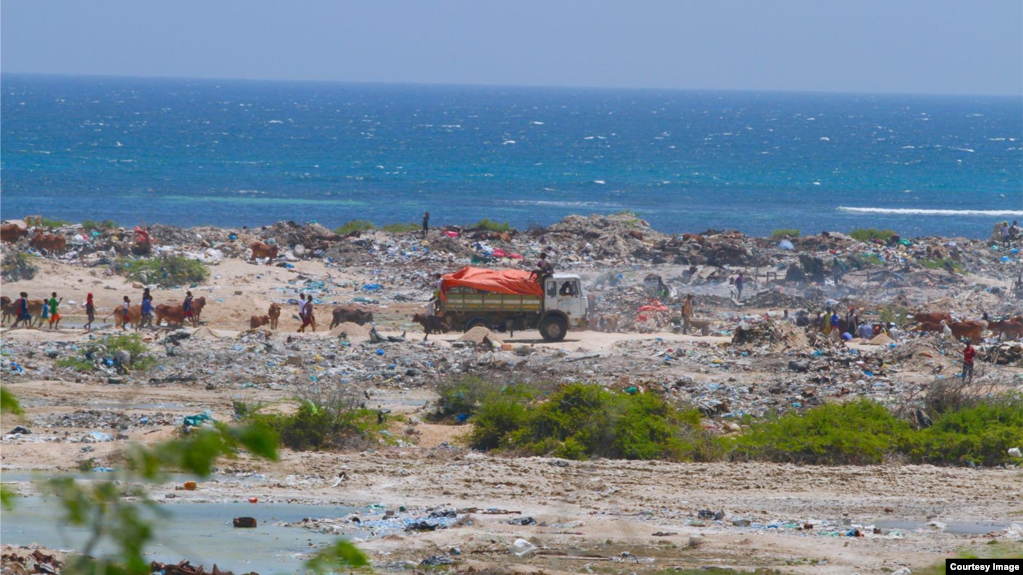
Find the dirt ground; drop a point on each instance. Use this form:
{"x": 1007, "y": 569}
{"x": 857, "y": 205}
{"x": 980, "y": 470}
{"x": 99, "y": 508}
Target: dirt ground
{"x": 588, "y": 513}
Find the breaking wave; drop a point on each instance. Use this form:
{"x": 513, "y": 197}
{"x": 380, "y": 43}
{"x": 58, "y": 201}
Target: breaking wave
{"x": 923, "y": 212}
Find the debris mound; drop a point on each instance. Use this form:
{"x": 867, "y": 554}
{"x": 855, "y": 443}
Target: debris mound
{"x": 477, "y": 335}
{"x": 775, "y": 336}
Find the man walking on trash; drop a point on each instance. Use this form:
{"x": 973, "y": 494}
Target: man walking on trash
{"x": 968, "y": 353}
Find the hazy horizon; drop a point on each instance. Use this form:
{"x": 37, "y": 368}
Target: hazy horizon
{"x": 939, "y": 47}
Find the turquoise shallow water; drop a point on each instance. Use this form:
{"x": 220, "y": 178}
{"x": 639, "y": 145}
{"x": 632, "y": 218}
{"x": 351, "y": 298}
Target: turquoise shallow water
{"x": 191, "y": 152}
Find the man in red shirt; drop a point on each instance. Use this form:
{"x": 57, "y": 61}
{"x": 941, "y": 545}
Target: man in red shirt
{"x": 968, "y": 353}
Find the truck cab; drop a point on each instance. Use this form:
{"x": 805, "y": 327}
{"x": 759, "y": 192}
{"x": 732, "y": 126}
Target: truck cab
{"x": 564, "y": 293}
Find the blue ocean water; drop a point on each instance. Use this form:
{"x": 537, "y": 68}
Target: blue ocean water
{"x": 191, "y": 152}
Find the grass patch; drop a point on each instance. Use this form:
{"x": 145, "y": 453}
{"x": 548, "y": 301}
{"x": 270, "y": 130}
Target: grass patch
{"x": 462, "y": 396}
{"x": 165, "y": 271}
{"x": 785, "y": 233}
{"x": 91, "y": 225}
{"x": 585, "y": 420}
{"x": 868, "y": 234}
{"x": 52, "y": 223}
{"x": 491, "y": 226}
{"x": 993, "y": 550}
{"x": 107, "y": 348}
{"x": 400, "y": 228}
{"x": 860, "y": 261}
{"x": 864, "y": 432}
{"x": 355, "y": 226}
{"x": 315, "y": 427}
{"x": 942, "y": 264}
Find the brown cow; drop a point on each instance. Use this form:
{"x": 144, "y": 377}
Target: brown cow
{"x": 258, "y": 321}
{"x": 927, "y": 326}
{"x": 261, "y": 250}
{"x": 932, "y": 317}
{"x": 352, "y": 314}
{"x": 274, "y": 314}
{"x": 134, "y": 318}
{"x": 11, "y": 233}
{"x": 971, "y": 329}
{"x": 50, "y": 242}
{"x": 10, "y": 308}
{"x": 197, "y": 305}
{"x": 431, "y": 323}
{"x": 1011, "y": 328}
{"x": 175, "y": 315}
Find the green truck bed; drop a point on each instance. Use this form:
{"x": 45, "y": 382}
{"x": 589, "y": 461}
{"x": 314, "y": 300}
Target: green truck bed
{"x": 461, "y": 300}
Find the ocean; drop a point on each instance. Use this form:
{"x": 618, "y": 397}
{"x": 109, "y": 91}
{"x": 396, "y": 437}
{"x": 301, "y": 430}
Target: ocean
{"x": 233, "y": 153}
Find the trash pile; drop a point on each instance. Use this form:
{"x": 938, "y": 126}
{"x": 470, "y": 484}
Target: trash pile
{"x": 769, "y": 336}
{"x": 387, "y": 522}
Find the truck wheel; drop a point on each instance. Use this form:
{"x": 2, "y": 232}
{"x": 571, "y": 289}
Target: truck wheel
{"x": 553, "y": 328}
{"x": 473, "y": 322}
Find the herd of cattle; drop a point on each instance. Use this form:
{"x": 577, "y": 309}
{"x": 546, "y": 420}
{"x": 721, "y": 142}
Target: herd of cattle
{"x": 972, "y": 330}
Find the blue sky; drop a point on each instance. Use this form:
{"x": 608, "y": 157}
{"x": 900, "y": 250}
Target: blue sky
{"x": 917, "y": 46}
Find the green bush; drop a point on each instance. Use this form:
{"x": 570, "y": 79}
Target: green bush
{"x": 355, "y": 226}
{"x": 107, "y": 347}
{"x": 491, "y": 226}
{"x": 52, "y": 223}
{"x": 785, "y": 233}
{"x": 74, "y": 362}
{"x": 316, "y": 427}
{"x": 463, "y": 395}
{"x": 166, "y": 271}
{"x": 868, "y": 234}
{"x": 91, "y": 225}
{"x": 942, "y": 264}
{"x": 980, "y": 434}
{"x": 584, "y": 420}
{"x": 400, "y": 228}
{"x": 860, "y": 432}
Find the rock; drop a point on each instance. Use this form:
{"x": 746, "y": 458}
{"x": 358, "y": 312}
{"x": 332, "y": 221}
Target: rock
{"x": 299, "y": 251}
{"x": 245, "y": 522}
{"x": 123, "y": 357}
{"x": 800, "y": 366}
{"x": 695, "y": 541}
{"x": 902, "y": 571}
{"x": 1015, "y": 452}
{"x": 741, "y": 522}
{"x": 294, "y": 360}
{"x": 26, "y": 431}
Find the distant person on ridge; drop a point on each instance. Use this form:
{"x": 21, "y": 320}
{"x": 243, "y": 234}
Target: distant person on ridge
{"x": 738, "y": 286}
{"x": 426, "y": 223}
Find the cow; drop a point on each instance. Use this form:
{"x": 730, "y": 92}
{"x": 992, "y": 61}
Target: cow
{"x": 5, "y": 304}
{"x": 52, "y": 243}
{"x": 261, "y": 250}
{"x": 10, "y": 308}
{"x": 971, "y": 329}
{"x": 1011, "y": 328}
{"x": 175, "y": 315}
{"x": 431, "y": 323}
{"x": 134, "y": 318}
{"x": 258, "y": 321}
{"x": 352, "y": 314}
{"x": 274, "y": 313}
{"x": 11, "y": 233}
{"x": 932, "y": 317}
{"x": 197, "y": 305}
{"x": 927, "y": 326}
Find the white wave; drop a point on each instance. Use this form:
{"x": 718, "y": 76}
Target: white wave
{"x": 535, "y": 123}
{"x": 564, "y": 204}
{"x": 924, "y": 212}
{"x": 275, "y": 122}
{"x": 506, "y": 142}
{"x": 599, "y": 182}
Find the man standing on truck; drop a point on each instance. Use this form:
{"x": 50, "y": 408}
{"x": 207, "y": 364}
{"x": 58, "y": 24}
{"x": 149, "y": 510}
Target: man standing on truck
{"x": 543, "y": 269}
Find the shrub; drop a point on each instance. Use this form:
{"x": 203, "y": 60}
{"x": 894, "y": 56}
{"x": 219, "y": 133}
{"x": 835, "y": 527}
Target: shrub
{"x": 17, "y": 266}
{"x": 107, "y": 348}
{"x": 355, "y": 226}
{"x": 584, "y": 420}
{"x": 785, "y": 233}
{"x": 942, "y": 264}
{"x": 860, "y": 432}
{"x": 166, "y": 271}
{"x": 868, "y": 234}
{"x": 463, "y": 395}
{"x": 328, "y": 416}
{"x": 895, "y": 314}
{"x": 491, "y": 226}
{"x": 979, "y": 434}
{"x": 52, "y": 223}
{"x": 74, "y": 362}
{"x": 400, "y": 228}
{"x": 91, "y": 225}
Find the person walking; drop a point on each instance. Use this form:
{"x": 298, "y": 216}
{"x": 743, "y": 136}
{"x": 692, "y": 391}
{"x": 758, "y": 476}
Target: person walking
{"x": 23, "y": 314}
{"x": 1006, "y": 236}
{"x": 147, "y": 309}
{"x": 835, "y": 331}
{"x": 305, "y": 312}
{"x": 968, "y": 353}
{"x": 738, "y": 286}
{"x": 687, "y": 313}
{"x": 54, "y": 315}
{"x": 90, "y": 311}
{"x": 426, "y": 224}
{"x": 186, "y": 306}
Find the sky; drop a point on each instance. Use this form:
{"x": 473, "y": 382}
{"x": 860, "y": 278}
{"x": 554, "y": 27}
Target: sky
{"x": 880, "y": 46}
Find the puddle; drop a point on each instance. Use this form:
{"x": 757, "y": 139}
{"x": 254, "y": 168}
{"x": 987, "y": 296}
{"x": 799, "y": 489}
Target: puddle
{"x": 953, "y": 527}
{"x": 199, "y": 532}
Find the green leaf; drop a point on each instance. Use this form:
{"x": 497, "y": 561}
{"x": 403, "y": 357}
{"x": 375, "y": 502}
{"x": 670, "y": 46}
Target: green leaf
{"x": 258, "y": 439}
{"x": 7, "y": 497}
{"x": 8, "y": 403}
{"x": 339, "y": 555}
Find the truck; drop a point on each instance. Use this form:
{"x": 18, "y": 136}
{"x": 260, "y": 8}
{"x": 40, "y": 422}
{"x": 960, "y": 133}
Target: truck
{"x": 513, "y": 300}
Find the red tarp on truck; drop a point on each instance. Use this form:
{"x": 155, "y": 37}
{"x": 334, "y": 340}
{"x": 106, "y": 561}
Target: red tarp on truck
{"x": 514, "y": 282}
